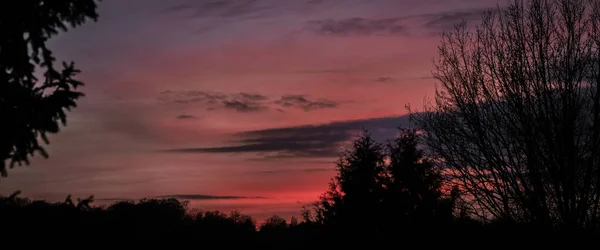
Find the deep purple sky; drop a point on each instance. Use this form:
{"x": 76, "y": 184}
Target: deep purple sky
{"x": 235, "y": 97}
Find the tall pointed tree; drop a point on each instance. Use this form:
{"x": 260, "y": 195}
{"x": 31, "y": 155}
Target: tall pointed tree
{"x": 414, "y": 185}
{"x": 355, "y": 194}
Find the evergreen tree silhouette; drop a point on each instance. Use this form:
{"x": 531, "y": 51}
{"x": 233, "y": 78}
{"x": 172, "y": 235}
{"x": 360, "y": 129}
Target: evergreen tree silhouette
{"x": 383, "y": 189}
{"x": 414, "y": 185}
{"x": 353, "y": 201}
{"x": 30, "y": 108}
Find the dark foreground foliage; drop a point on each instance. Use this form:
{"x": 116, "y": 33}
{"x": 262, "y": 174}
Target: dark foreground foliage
{"x": 152, "y": 221}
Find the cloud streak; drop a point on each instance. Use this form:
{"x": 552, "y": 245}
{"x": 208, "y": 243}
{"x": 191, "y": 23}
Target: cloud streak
{"x": 185, "y": 117}
{"x": 244, "y": 106}
{"x": 188, "y": 197}
{"x": 431, "y": 23}
{"x": 245, "y": 102}
{"x": 206, "y": 197}
{"x": 447, "y": 20}
{"x": 306, "y": 170}
{"x": 301, "y": 102}
{"x": 221, "y": 8}
{"x": 311, "y": 141}
{"x": 356, "y": 27}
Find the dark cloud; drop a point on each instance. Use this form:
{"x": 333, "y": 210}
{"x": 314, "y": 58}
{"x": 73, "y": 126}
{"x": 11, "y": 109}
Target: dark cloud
{"x": 254, "y": 97}
{"x": 301, "y": 102}
{"x": 243, "y": 106}
{"x": 432, "y": 23}
{"x": 192, "y": 96}
{"x": 447, "y": 20}
{"x": 305, "y": 170}
{"x": 310, "y": 141}
{"x": 185, "y": 117}
{"x": 245, "y": 102}
{"x": 205, "y": 197}
{"x": 238, "y": 9}
{"x": 186, "y": 197}
{"x": 228, "y": 11}
{"x": 240, "y": 102}
{"x": 325, "y": 71}
{"x": 384, "y": 79}
{"x": 357, "y": 27}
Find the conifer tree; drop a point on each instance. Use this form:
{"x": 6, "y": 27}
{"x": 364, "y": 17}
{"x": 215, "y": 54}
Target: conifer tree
{"x": 31, "y": 107}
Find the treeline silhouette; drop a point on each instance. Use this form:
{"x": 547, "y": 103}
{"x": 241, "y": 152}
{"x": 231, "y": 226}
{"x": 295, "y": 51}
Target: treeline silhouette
{"x": 163, "y": 220}
{"x": 382, "y": 192}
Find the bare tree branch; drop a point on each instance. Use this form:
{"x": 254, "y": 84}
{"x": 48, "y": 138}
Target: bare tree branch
{"x": 516, "y": 114}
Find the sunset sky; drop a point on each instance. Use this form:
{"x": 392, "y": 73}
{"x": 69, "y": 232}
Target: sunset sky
{"x": 248, "y": 98}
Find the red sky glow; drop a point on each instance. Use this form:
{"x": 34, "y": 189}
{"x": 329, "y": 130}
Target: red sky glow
{"x": 235, "y": 98}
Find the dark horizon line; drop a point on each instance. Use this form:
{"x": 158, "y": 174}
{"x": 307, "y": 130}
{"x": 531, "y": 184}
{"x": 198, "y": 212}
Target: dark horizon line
{"x": 207, "y": 197}
{"x": 186, "y": 197}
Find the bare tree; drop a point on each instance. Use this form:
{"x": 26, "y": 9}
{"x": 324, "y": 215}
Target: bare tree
{"x": 516, "y": 117}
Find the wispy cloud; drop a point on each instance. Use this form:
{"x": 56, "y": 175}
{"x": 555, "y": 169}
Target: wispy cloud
{"x": 301, "y": 102}
{"x": 356, "y": 27}
{"x": 430, "y": 23}
{"x": 248, "y": 9}
{"x": 385, "y": 79}
{"x": 185, "y": 117}
{"x": 320, "y": 141}
{"x": 243, "y": 106}
{"x": 231, "y": 10}
{"x": 304, "y": 170}
{"x": 191, "y": 97}
{"x": 246, "y": 102}
{"x": 254, "y": 97}
{"x": 447, "y": 20}
{"x": 326, "y": 71}
{"x": 205, "y": 197}
{"x": 186, "y": 197}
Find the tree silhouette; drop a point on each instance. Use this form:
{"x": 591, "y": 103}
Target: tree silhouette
{"x": 517, "y": 119}
{"x": 274, "y": 223}
{"x": 354, "y": 197}
{"x": 381, "y": 190}
{"x": 31, "y": 108}
{"x": 414, "y": 186}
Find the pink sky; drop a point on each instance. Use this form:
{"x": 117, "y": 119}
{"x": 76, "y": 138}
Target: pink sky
{"x": 195, "y": 77}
